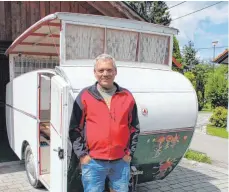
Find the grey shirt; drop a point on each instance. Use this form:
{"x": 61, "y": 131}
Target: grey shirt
{"x": 107, "y": 94}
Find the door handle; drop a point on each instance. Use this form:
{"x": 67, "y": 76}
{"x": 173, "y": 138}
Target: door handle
{"x": 55, "y": 150}
{"x": 60, "y": 152}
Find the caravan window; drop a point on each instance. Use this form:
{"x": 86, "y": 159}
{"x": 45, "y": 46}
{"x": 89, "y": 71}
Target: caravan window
{"x": 86, "y": 42}
{"x": 26, "y": 64}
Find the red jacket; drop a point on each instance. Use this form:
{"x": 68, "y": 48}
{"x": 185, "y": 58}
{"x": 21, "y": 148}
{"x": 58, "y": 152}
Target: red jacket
{"x": 101, "y": 132}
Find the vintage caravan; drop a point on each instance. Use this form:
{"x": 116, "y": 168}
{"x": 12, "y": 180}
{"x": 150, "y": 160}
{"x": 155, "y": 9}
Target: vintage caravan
{"x": 52, "y": 61}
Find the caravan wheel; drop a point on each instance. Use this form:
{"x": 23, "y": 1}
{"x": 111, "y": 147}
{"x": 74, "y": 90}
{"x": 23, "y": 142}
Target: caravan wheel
{"x": 30, "y": 168}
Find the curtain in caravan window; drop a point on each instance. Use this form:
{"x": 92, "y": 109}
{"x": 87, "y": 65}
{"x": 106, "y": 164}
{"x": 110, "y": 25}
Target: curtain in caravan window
{"x": 154, "y": 48}
{"x": 84, "y": 42}
{"x": 122, "y": 45}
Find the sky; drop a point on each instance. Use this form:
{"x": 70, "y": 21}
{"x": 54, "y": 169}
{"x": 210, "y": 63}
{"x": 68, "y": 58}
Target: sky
{"x": 203, "y": 27}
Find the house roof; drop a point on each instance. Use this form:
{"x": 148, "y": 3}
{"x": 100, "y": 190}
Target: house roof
{"x": 222, "y": 57}
{"x": 176, "y": 63}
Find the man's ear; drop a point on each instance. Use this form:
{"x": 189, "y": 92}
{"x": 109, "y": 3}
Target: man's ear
{"x": 116, "y": 72}
{"x": 94, "y": 71}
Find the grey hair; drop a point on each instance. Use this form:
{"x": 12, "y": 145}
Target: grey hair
{"x": 105, "y": 56}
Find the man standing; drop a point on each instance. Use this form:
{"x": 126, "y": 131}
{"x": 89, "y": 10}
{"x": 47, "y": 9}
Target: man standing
{"x": 104, "y": 130}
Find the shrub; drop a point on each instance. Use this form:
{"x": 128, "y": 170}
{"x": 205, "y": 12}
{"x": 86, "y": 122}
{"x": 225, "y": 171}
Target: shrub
{"x": 191, "y": 77}
{"x": 219, "y": 117}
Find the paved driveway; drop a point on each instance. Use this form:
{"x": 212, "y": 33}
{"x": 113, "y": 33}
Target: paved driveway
{"x": 203, "y": 121}
{"x": 188, "y": 176}
{"x": 215, "y": 147}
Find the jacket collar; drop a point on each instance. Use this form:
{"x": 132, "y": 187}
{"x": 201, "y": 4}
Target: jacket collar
{"x": 94, "y": 91}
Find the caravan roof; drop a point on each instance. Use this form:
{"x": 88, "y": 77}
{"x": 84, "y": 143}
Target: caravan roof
{"x": 43, "y": 38}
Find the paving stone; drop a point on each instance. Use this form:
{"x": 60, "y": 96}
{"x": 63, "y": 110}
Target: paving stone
{"x": 152, "y": 186}
{"x": 188, "y": 188}
{"x": 224, "y": 190}
{"x": 223, "y": 186}
{"x": 185, "y": 183}
{"x": 165, "y": 188}
{"x": 201, "y": 190}
{"x": 3, "y": 188}
{"x": 15, "y": 186}
{"x": 11, "y": 190}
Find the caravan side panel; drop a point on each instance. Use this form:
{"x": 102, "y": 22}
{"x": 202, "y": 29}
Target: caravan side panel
{"x": 21, "y": 112}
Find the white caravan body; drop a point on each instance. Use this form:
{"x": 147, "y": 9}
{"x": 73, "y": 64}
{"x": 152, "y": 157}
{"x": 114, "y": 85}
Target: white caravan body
{"x": 39, "y": 102}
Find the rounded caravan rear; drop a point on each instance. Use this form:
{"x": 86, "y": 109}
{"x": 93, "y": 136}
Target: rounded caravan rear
{"x": 166, "y": 100}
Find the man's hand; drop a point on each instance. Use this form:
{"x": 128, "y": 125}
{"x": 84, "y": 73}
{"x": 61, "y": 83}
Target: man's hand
{"x": 85, "y": 160}
{"x": 127, "y": 158}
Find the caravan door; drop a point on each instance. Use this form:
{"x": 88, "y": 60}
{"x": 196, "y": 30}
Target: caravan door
{"x": 59, "y": 130}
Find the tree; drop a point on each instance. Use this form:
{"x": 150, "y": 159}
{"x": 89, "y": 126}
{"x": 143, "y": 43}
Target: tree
{"x": 198, "y": 77}
{"x": 189, "y": 56}
{"x": 153, "y": 11}
{"x": 216, "y": 90}
{"x": 201, "y": 72}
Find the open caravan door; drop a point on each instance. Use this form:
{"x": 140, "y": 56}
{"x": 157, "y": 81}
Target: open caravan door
{"x": 59, "y": 128}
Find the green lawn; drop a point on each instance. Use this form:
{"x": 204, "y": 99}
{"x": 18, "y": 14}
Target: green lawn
{"x": 197, "y": 156}
{"x": 216, "y": 131}
{"x": 206, "y": 111}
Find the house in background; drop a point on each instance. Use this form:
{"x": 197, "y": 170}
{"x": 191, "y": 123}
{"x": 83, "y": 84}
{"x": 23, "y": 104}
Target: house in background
{"x": 222, "y": 58}
{"x": 176, "y": 63}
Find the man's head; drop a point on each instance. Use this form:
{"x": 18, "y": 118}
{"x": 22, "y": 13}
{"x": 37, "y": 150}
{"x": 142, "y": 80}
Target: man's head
{"x": 105, "y": 70}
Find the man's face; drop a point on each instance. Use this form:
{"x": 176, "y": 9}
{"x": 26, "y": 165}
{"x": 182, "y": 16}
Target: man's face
{"x": 105, "y": 73}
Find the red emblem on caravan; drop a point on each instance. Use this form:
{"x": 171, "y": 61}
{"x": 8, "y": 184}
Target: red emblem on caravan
{"x": 144, "y": 111}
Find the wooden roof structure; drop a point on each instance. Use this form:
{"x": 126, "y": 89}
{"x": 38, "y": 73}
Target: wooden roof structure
{"x": 17, "y": 16}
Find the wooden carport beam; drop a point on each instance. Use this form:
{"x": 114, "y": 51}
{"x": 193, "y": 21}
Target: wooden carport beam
{"x": 115, "y": 9}
{"x": 129, "y": 13}
{"x": 101, "y": 7}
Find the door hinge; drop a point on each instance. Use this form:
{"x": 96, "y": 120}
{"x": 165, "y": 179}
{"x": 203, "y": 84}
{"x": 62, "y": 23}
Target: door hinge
{"x": 60, "y": 152}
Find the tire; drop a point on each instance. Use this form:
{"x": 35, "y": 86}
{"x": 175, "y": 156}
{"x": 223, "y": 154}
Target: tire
{"x": 30, "y": 168}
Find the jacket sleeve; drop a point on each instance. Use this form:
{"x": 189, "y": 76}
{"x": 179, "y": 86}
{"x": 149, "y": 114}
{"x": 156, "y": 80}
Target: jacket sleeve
{"x": 76, "y": 128}
{"x": 134, "y": 130}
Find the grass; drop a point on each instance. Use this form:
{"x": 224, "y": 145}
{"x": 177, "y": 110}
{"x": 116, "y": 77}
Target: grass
{"x": 206, "y": 110}
{"x": 216, "y": 131}
{"x": 197, "y": 156}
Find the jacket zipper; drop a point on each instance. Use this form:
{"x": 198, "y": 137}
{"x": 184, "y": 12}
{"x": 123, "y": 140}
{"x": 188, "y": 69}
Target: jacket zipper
{"x": 110, "y": 126}
{"x": 109, "y": 111}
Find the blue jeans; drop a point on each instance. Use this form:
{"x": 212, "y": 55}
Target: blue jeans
{"x": 95, "y": 172}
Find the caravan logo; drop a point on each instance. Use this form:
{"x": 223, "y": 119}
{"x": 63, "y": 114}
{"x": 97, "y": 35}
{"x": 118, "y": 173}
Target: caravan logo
{"x": 144, "y": 111}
